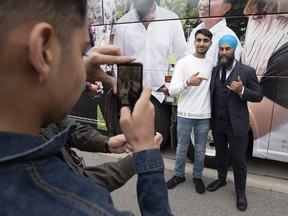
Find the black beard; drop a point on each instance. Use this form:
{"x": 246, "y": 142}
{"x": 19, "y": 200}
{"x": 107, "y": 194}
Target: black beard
{"x": 202, "y": 53}
{"x": 225, "y": 61}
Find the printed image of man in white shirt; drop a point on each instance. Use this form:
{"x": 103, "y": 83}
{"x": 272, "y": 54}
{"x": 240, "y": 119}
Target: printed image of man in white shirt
{"x": 151, "y": 42}
{"x": 212, "y": 13}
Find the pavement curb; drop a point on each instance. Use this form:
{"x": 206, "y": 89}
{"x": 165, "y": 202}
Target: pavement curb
{"x": 257, "y": 181}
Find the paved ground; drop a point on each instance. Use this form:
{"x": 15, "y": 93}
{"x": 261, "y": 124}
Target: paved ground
{"x": 266, "y": 195}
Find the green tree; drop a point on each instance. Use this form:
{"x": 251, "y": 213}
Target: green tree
{"x": 122, "y": 7}
{"x": 187, "y": 10}
{"x": 236, "y": 20}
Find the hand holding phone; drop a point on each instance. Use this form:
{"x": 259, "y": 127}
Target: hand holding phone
{"x": 129, "y": 84}
{"x": 138, "y": 126}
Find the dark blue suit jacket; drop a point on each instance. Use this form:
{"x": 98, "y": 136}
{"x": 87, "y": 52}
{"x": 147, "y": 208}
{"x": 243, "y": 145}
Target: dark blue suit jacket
{"x": 237, "y": 105}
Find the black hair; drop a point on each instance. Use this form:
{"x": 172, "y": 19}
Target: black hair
{"x": 233, "y": 2}
{"x": 63, "y": 15}
{"x": 205, "y": 32}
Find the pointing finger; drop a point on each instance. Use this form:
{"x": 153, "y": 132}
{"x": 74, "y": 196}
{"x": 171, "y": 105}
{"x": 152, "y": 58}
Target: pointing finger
{"x": 196, "y": 74}
{"x": 203, "y": 78}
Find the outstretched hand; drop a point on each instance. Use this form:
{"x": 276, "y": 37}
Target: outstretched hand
{"x": 96, "y": 88}
{"x": 97, "y": 56}
{"x": 118, "y": 144}
{"x": 236, "y": 86}
{"x": 138, "y": 126}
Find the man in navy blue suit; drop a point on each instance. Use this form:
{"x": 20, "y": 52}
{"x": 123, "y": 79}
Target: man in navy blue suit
{"x": 232, "y": 86}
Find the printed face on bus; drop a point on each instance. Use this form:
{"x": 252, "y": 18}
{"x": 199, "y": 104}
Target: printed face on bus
{"x": 208, "y": 8}
{"x": 202, "y": 43}
{"x": 283, "y": 6}
{"x": 149, "y": 16}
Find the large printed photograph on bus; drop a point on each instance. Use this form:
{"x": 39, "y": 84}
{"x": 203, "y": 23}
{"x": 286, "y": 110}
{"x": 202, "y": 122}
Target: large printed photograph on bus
{"x": 166, "y": 35}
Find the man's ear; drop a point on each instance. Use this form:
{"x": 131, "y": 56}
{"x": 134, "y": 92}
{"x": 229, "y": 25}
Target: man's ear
{"x": 227, "y": 7}
{"x": 40, "y": 50}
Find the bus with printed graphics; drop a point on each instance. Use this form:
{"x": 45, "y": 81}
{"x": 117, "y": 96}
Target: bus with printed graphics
{"x": 167, "y": 35}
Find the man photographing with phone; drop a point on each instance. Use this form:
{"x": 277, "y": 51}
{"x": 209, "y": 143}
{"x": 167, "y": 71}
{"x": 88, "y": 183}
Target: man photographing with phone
{"x": 41, "y": 88}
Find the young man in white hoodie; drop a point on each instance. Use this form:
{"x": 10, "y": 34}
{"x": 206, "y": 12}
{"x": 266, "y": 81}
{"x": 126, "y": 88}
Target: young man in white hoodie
{"x": 191, "y": 80}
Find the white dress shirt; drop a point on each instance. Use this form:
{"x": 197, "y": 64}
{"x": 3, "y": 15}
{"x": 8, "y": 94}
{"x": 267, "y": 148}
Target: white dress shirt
{"x": 152, "y": 46}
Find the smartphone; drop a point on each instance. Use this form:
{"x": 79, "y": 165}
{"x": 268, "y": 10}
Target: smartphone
{"x": 129, "y": 84}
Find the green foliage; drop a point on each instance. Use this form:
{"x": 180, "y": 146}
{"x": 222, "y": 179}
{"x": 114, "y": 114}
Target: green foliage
{"x": 123, "y": 7}
{"x": 178, "y": 7}
{"x": 236, "y": 19}
{"x": 101, "y": 125}
{"x": 188, "y": 13}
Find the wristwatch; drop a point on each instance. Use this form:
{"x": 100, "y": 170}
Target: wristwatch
{"x": 106, "y": 146}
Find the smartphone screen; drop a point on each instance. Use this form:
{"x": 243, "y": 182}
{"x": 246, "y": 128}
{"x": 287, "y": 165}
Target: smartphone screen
{"x": 129, "y": 84}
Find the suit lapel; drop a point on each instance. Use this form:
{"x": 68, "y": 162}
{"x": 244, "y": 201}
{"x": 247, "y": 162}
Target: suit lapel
{"x": 234, "y": 74}
{"x": 215, "y": 74}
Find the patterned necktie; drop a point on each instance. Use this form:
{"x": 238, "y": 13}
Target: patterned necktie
{"x": 223, "y": 75}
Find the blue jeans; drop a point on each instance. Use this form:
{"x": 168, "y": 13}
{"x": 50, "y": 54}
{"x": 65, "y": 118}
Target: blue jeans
{"x": 184, "y": 129}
